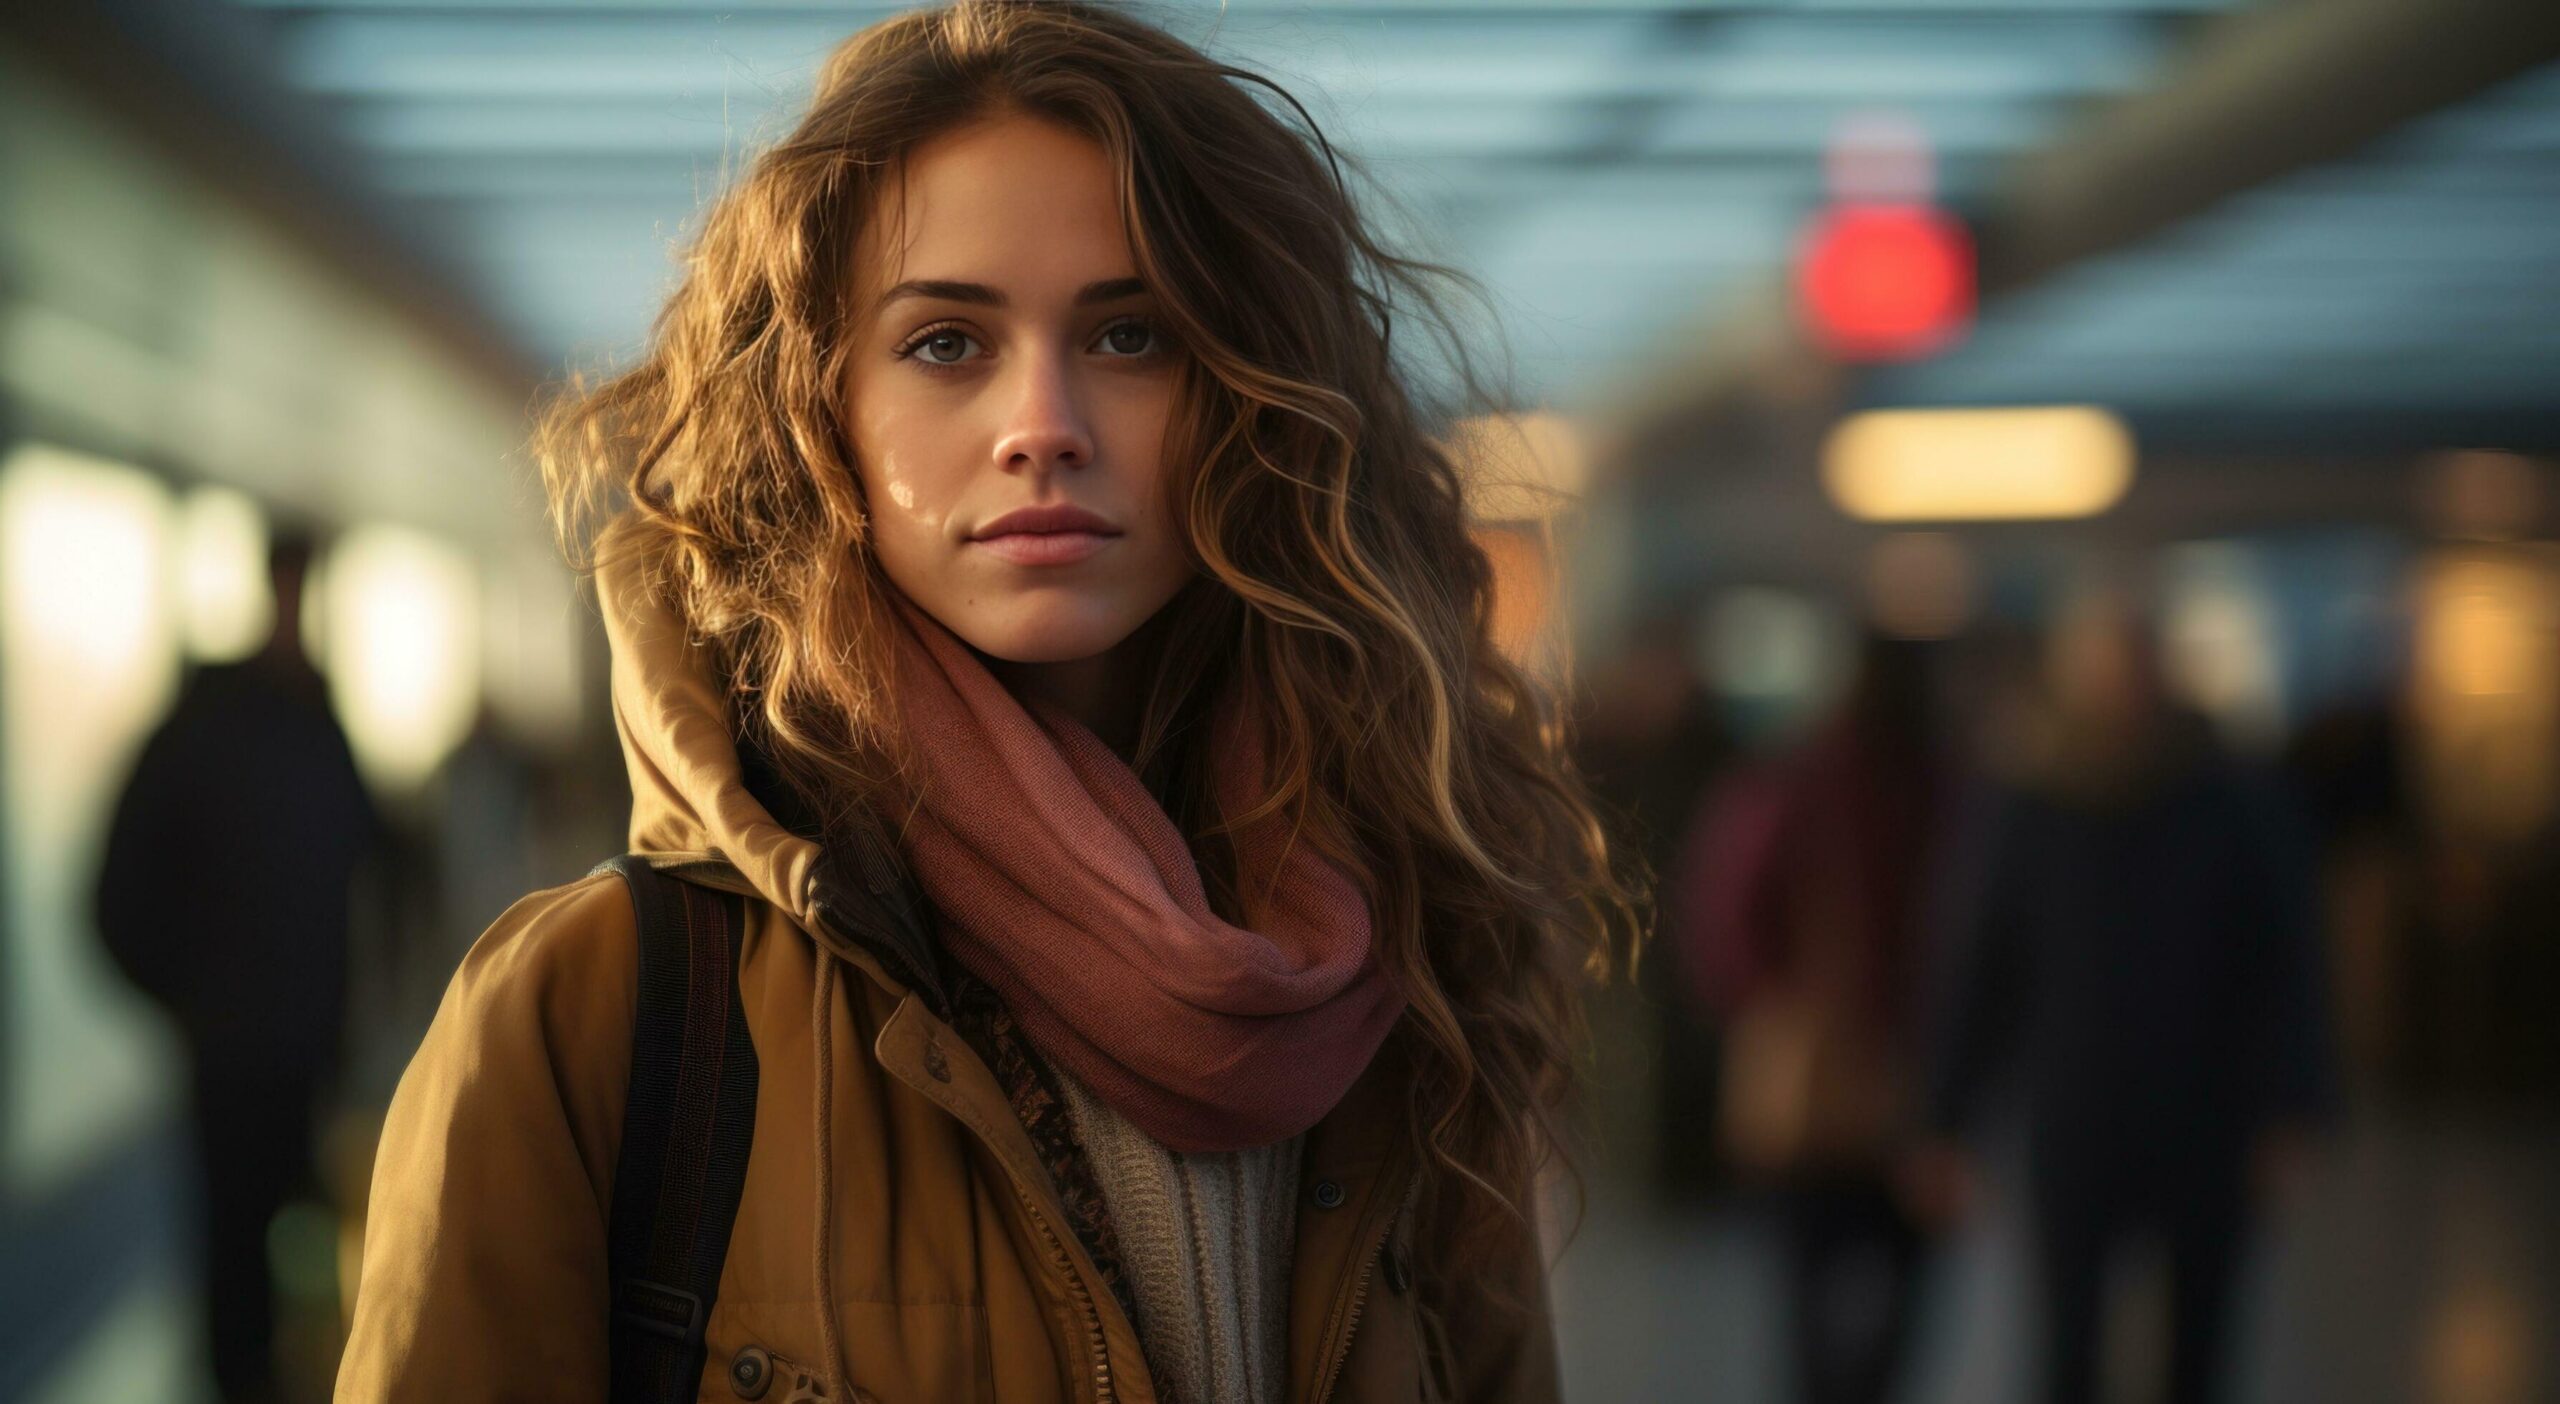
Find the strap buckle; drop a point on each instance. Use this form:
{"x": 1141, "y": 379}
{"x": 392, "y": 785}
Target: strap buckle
{"x": 660, "y": 1310}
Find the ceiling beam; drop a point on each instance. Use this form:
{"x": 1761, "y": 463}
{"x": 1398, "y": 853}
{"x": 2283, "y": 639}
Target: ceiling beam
{"x": 2260, "y": 94}
{"x": 2271, "y": 92}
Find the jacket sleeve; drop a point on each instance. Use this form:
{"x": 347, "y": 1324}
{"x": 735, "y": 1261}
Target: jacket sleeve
{"x": 484, "y": 1270}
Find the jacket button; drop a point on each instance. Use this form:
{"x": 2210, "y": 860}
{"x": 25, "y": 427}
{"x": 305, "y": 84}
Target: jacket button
{"x": 1328, "y": 1194}
{"x": 1399, "y": 1268}
{"x": 751, "y": 1373}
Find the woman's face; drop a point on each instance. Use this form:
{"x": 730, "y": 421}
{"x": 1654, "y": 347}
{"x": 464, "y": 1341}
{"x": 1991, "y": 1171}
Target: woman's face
{"x": 1006, "y": 359}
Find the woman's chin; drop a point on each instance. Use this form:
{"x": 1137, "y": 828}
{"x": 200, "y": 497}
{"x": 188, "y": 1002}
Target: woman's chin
{"x": 1046, "y": 630}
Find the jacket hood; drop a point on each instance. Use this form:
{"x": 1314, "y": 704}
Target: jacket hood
{"x": 689, "y": 794}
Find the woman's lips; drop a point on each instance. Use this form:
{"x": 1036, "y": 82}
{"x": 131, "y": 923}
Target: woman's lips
{"x": 1045, "y": 548}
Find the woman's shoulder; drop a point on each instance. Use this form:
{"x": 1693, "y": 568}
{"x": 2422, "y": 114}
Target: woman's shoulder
{"x": 582, "y": 930}
{"x": 556, "y": 976}
{"x": 492, "y": 1182}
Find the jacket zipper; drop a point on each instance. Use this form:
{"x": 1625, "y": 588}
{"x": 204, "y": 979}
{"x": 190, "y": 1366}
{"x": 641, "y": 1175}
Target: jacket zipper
{"x": 1360, "y": 1296}
{"x": 1095, "y": 1341}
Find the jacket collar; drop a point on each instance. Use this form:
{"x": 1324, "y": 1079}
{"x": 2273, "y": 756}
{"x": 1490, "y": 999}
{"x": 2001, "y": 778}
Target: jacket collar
{"x": 696, "y": 808}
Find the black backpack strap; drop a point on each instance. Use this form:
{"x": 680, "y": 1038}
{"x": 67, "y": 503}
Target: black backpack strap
{"x": 685, "y": 1133}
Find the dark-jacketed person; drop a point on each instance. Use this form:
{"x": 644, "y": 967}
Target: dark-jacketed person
{"x": 2136, "y": 936}
{"x": 224, "y": 896}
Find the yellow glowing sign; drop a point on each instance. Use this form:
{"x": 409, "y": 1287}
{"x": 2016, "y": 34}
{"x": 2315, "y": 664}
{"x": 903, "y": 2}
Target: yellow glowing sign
{"x": 1525, "y": 467}
{"x": 1978, "y": 464}
{"x": 402, "y": 620}
{"x": 2485, "y": 681}
{"x": 225, "y": 606}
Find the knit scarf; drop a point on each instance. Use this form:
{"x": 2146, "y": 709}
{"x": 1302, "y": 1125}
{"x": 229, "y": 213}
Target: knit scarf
{"x": 1061, "y": 882}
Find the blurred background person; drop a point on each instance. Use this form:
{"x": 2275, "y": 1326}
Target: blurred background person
{"x": 2136, "y": 935}
{"x": 224, "y": 895}
{"x": 1800, "y": 917}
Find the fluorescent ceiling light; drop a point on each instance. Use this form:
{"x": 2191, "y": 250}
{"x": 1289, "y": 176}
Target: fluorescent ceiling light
{"x": 1977, "y": 464}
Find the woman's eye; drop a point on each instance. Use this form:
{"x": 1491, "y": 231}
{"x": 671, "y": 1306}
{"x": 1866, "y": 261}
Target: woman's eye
{"x": 946, "y": 347}
{"x": 1130, "y": 338}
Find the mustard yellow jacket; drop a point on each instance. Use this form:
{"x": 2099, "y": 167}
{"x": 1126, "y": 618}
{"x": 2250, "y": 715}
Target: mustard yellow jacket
{"x": 953, "y": 1271}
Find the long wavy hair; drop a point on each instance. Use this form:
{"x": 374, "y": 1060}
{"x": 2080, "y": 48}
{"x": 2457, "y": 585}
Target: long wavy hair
{"x": 1330, "y": 531}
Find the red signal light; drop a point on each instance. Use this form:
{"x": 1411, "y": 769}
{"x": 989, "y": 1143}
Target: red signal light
{"x": 1885, "y": 282}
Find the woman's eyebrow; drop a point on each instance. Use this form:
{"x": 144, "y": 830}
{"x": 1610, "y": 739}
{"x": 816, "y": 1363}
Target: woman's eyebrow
{"x": 945, "y": 290}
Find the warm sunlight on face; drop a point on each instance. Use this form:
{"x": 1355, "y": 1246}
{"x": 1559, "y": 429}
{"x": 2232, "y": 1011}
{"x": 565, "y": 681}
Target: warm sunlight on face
{"x": 1014, "y": 365}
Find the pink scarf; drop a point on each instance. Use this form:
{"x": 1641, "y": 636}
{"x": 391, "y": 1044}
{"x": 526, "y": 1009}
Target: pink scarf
{"x": 1063, "y": 884}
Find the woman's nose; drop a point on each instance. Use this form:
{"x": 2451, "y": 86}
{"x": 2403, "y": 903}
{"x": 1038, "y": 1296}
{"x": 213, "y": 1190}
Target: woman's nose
{"x": 1045, "y": 427}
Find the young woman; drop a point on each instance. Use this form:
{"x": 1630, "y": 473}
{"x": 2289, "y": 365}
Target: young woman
{"x": 1020, "y": 508}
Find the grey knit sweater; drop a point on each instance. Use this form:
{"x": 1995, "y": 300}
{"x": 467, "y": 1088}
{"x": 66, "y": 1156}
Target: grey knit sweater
{"x": 1205, "y": 1240}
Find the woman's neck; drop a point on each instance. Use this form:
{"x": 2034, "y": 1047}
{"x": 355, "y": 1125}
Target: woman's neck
{"x": 1106, "y": 692}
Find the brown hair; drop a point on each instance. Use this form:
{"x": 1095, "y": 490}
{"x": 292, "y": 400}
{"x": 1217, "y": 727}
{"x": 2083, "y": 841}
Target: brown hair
{"x": 1330, "y": 531}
